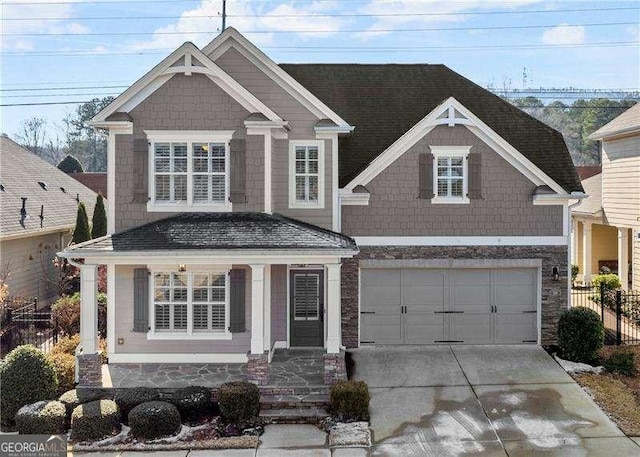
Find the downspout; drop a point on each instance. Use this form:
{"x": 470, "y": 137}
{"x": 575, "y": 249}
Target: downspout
{"x": 570, "y": 246}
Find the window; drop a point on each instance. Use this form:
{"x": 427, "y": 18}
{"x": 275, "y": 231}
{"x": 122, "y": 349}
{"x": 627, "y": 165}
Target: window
{"x": 190, "y": 304}
{"x": 190, "y": 170}
{"x": 306, "y": 174}
{"x": 450, "y": 174}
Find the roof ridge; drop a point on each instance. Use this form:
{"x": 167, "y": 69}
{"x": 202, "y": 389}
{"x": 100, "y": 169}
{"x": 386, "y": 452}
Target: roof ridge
{"x": 311, "y": 228}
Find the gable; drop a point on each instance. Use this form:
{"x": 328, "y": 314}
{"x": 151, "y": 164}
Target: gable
{"x": 386, "y": 101}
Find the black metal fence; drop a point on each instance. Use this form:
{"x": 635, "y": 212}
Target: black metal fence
{"x": 27, "y": 325}
{"x": 618, "y": 309}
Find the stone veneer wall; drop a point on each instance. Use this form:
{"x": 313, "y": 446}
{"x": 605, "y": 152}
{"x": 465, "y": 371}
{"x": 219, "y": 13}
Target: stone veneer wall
{"x": 554, "y": 293}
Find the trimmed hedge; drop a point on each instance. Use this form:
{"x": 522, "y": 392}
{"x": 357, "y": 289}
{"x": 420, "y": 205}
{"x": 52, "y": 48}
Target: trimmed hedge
{"x": 74, "y": 398}
{"x": 65, "y": 367}
{"x": 27, "y": 377}
{"x": 42, "y": 418}
{"x": 127, "y": 399}
{"x": 239, "y": 401}
{"x": 349, "y": 401}
{"x": 193, "y": 403}
{"x": 95, "y": 420}
{"x": 621, "y": 362}
{"x": 154, "y": 419}
{"x": 580, "y": 334}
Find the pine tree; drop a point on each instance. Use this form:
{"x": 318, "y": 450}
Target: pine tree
{"x": 81, "y": 233}
{"x": 99, "y": 221}
{"x": 70, "y": 165}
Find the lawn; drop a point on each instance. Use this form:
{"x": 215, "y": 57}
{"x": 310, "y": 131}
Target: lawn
{"x": 618, "y": 396}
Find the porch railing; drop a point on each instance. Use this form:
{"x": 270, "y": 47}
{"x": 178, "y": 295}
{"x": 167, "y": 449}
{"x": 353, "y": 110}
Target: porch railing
{"x": 618, "y": 309}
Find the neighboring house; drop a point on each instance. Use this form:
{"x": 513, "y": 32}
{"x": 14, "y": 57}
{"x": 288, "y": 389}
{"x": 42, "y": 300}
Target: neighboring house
{"x": 256, "y": 206}
{"x": 38, "y": 206}
{"x": 97, "y": 182}
{"x": 607, "y": 224}
{"x": 587, "y": 171}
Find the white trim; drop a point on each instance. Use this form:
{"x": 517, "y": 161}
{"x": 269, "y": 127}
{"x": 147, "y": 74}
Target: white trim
{"x": 268, "y": 174}
{"x": 336, "y": 225}
{"x": 184, "y": 136}
{"x": 47, "y": 231}
{"x": 476, "y": 126}
{"x": 539, "y": 303}
{"x": 450, "y": 152}
{"x": 123, "y": 127}
{"x": 461, "y": 240}
{"x": 349, "y": 198}
{"x": 293, "y": 203}
{"x": 257, "y": 308}
{"x": 111, "y": 309}
{"x": 280, "y": 345}
{"x": 162, "y": 72}
{"x": 155, "y": 357}
{"x": 111, "y": 182}
{"x": 230, "y": 37}
{"x": 331, "y": 129}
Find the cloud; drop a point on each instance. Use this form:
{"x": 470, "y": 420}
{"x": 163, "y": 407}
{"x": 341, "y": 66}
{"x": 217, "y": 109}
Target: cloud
{"x": 564, "y": 34}
{"x": 260, "y": 16}
{"x": 438, "y": 12}
{"x": 44, "y": 8}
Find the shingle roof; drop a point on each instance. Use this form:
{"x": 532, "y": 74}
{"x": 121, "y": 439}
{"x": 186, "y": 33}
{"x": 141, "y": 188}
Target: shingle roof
{"x": 626, "y": 122}
{"x": 385, "y": 101}
{"x": 222, "y": 231}
{"x": 593, "y": 203}
{"x": 20, "y": 172}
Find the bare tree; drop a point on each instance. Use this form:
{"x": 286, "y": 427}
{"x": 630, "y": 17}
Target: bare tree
{"x": 33, "y": 134}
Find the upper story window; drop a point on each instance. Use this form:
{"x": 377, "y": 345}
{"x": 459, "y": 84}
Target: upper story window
{"x": 450, "y": 174}
{"x": 306, "y": 174}
{"x": 190, "y": 170}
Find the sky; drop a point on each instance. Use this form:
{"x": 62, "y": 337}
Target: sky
{"x": 73, "y": 50}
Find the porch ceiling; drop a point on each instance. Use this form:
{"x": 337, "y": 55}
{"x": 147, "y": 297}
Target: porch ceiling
{"x": 202, "y": 233}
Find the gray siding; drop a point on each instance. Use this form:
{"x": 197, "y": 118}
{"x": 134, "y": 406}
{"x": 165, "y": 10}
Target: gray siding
{"x": 137, "y": 343}
{"x": 28, "y": 263}
{"x": 278, "y": 303}
{"x": 183, "y": 103}
{"x": 506, "y": 208}
{"x": 621, "y": 181}
{"x": 302, "y": 122}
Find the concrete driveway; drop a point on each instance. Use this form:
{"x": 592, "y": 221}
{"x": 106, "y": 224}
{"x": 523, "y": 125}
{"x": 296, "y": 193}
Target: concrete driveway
{"x": 481, "y": 401}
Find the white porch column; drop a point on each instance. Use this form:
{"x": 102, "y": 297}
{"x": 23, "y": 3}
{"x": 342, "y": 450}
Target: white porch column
{"x": 574, "y": 241}
{"x": 586, "y": 251}
{"x": 623, "y": 257}
{"x": 257, "y": 309}
{"x": 89, "y": 309}
{"x": 267, "y": 308}
{"x": 333, "y": 308}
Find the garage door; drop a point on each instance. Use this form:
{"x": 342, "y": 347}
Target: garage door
{"x": 431, "y": 306}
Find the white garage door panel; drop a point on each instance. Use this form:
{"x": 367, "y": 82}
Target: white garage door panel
{"x": 426, "y": 306}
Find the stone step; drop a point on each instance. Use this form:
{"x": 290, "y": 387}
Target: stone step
{"x": 294, "y": 390}
{"x": 294, "y": 416}
{"x": 293, "y": 401}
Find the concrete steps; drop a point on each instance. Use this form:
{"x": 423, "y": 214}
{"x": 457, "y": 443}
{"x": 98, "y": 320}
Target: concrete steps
{"x": 308, "y": 415}
{"x": 293, "y": 401}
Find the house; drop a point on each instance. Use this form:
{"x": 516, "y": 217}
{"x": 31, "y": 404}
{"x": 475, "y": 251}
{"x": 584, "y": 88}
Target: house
{"x": 97, "y": 182}
{"x": 256, "y": 206}
{"x": 38, "y": 206}
{"x": 606, "y": 225}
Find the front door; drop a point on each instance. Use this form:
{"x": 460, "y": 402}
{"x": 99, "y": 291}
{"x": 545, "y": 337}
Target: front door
{"x": 306, "y": 288}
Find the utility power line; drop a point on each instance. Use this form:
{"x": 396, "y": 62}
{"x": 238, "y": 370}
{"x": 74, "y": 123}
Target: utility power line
{"x": 319, "y": 15}
{"x": 418, "y": 29}
{"x": 62, "y": 88}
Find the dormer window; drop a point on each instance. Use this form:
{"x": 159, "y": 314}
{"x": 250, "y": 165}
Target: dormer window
{"x": 450, "y": 174}
{"x": 190, "y": 170}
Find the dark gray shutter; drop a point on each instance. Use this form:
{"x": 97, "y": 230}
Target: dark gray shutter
{"x": 237, "y": 300}
{"x": 425, "y": 175}
{"x": 238, "y": 152}
{"x": 140, "y": 300}
{"x": 140, "y": 168}
{"x": 475, "y": 176}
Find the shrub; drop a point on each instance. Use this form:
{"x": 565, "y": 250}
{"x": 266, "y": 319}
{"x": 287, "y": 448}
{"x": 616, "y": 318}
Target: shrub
{"x": 95, "y": 420}
{"x": 349, "y": 401}
{"x": 70, "y": 165}
{"x": 154, "y": 419}
{"x": 608, "y": 281}
{"x": 99, "y": 221}
{"x": 621, "y": 362}
{"x": 73, "y": 398}
{"x": 27, "y": 377}
{"x": 193, "y": 403}
{"x": 580, "y": 334}
{"x": 66, "y": 312}
{"x": 239, "y": 401}
{"x": 575, "y": 270}
{"x": 127, "y": 399}
{"x": 65, "y": 366}
{"x": 66, "y": 345}
{"x": 42, "y": 418}
{"x": 81, "y": 233}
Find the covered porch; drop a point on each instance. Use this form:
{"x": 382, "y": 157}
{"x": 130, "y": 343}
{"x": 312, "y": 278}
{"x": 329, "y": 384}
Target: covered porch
{"x": 214, "y": 297}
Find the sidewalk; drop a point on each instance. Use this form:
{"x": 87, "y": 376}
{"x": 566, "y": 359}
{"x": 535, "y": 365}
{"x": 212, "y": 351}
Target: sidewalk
{"x": 277, "y": 441}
